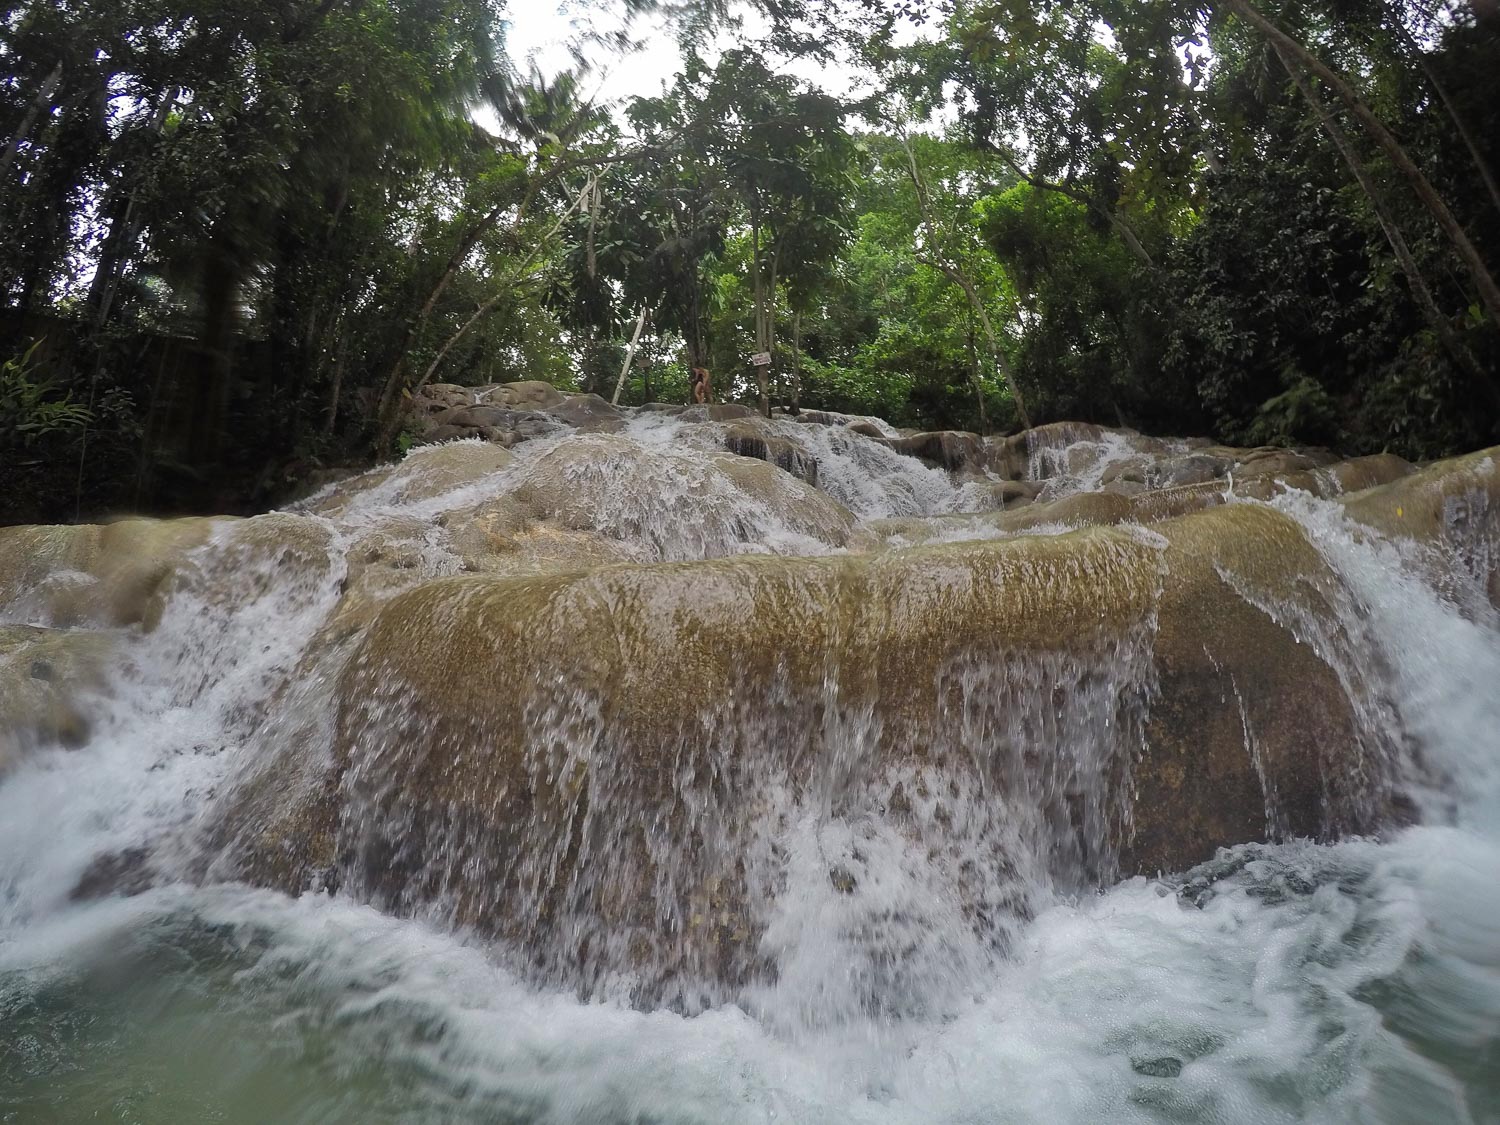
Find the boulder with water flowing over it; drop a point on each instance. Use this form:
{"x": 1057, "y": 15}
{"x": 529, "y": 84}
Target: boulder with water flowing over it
{"x": 586, "y": 764}
{"x": 675, "y": 506}
{"x": 945, "y": 449}
{"x": 93, "y": 574}
{"x": 750, "y": 441}
{"x": 1451, "y": 506}
{"x": 47, "y": 677}
{"x": 549, "y": 700}
{"x": 589, "y": 413}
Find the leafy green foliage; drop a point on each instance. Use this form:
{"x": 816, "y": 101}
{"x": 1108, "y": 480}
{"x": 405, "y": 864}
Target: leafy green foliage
{"x": 33, "y": 408}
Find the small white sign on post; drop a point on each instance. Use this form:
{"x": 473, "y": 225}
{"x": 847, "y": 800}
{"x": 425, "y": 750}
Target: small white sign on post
{"x": 760, "y": 359}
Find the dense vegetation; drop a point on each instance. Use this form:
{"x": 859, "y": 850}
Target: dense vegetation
{"x": 235, "y": 234}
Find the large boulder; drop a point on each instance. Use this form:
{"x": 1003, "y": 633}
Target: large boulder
{"x": 1032, "y": 454}
{"x": 679, "y": 505}
{"x": 953, "y": 450}
{"x": 590, "y": 414}
{"x": 93, "y": 574}
{"x": 47, "y": 680}
{"x": 747, "y": 440}
{"x": 1088, "y": 703}
{"x": 532, "y": 394}
{"x": 717, "y": 412}
{"x": 1451, "y": 508}
{"x": 425, "y": 472}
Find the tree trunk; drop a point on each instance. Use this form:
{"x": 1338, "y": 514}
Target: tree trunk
{"x": 761, "y": 335}
{"x": 124, "y": 228}
{"x": 770, "y": 348}
{"x": 28, "y": 121}
{"x": 221, "y": 286}
{"x": 640, "y": 323}
{"x": 388, "y": 413}
{"x": 338, "y": 382}
{"x": 1128, "y": 235}
{"x": 1484, "y": 281}
{"x": 956, "y": 274}
{"x": 1117, "y": 221}
{"x": 796, "y": 363}
{"x": 1419, "y": 287}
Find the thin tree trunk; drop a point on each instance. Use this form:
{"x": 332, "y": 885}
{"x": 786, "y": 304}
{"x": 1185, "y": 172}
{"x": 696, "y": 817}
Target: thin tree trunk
{"x": 951, "y": 270}
{"x": 1419, "y": 287}
{"x": 1484, "y": 281}
{"x": 1210, "y": 157}
{"x": 385, "y": 411}
{"x": 759, "y": 281}
{"x": 975, "y": 374}
{"x": 796, "y": 363}
{"x": 124, "y": 228}
{"x": 33, "y": 111}
{"x": 1121, "y": 226}
{"x": 387, "y": 414}
{"x": 640, "y": 323}
{"x": 338, "y": 382}
{"x": 1128, "y": 235}
{"x": 770, "y": 348}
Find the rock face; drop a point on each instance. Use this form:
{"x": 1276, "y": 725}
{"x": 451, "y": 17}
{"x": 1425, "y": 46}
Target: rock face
{"x": 47, "y": 676}
{"x": 94, "y": 574}
{"x": 947, "y": 449}
{"x": 579, "y": 687}
{"x": 1059, "y": 674}
{"x": 749, "y": 441}
{"x": 1453, "y": 506}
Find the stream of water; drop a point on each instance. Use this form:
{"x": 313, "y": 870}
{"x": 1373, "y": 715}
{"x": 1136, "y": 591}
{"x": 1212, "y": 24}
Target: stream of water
{"x": 1348, "y": 982}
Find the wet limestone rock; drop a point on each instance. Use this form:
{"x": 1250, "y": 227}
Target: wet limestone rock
{"x": 589, "y": 413}
{"x": 717, "y": 412}
{"x": 425, "y": 472}
{"x": 1010, "y": 494}
{"x": 94, "y": 574}
{"x": 686, "y": 506}
{"x": 1013, "y": 457}
{"x": 953, "y": 450}
{"x": 1251, "y": 735}
{"x": 1188, "y": 469}
{"x": 746, "y": 440}
{"x": 487, "y": 422}
{"x": 688, "y": 696}
{"x": 47, "y": 677}
{"x": 533, "y": 394}
{"x": 1452, "y": 506}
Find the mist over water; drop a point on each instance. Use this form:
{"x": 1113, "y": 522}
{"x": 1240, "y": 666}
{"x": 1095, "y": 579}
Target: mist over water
{"x": 934, "y": 947}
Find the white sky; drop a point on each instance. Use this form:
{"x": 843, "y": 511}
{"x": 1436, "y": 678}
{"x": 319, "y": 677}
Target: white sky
{"x": 542, "y": 33}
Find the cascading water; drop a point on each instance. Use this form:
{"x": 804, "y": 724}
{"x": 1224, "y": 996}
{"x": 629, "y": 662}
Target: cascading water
{"x": 835, "y": 890}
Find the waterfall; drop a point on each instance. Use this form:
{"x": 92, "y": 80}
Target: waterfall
{"x": 617, "y": 777}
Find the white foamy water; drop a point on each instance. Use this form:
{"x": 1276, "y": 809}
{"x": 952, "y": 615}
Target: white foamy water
{"x": 1356, "y": 982}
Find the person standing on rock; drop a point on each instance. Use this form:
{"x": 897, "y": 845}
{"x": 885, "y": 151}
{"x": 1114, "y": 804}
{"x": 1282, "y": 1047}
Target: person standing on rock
{"x": 700, "y": 391}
